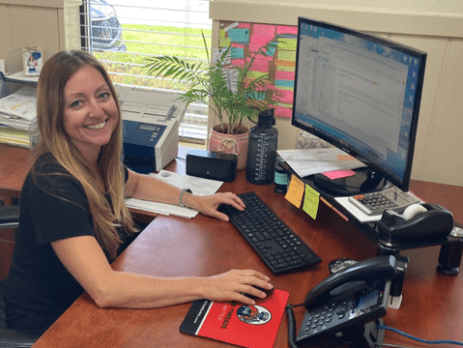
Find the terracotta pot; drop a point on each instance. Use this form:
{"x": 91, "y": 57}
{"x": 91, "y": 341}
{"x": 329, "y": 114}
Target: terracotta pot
{"x": 235, "y": 144}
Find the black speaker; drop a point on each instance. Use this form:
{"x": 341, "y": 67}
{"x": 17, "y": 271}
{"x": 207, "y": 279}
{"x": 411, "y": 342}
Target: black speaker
{"x": 211, "y": 165}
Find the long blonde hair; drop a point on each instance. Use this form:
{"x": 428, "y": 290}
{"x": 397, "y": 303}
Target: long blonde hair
{"x": 53, "y": 139}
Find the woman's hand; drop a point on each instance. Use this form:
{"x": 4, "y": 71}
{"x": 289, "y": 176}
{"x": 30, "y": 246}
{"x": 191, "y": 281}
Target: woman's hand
{"x": 208, "y": 205}
{"x": 234, "y": 284}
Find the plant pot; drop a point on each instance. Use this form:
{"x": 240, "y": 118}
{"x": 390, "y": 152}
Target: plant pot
{"x": 235, "y": 144}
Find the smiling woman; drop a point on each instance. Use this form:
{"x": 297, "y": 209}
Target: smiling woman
{"x": 73, "y": 219}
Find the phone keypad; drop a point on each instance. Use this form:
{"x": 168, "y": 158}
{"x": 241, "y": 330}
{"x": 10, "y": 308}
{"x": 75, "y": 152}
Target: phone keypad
{"x": 325, "y": 317}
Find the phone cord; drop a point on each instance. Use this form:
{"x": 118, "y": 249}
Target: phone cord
{"x": 291, "y": 326}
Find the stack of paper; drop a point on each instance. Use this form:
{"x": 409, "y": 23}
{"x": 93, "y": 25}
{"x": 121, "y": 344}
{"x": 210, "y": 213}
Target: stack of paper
{"x": 306, "y": 162}
{"x": 18, "y": 117}
{"x": 198, "y": 186}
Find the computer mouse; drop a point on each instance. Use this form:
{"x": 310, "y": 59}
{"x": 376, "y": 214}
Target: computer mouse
{"x": 268, "y": 292}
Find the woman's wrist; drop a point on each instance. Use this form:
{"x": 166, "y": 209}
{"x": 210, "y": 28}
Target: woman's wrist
{"x": 183, "y": 197}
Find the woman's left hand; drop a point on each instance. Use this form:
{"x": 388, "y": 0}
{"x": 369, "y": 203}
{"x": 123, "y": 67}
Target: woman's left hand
{"x": 208, "y": 205}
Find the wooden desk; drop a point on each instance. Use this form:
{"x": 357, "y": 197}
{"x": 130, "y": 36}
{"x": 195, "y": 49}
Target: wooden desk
{"x": 14, "y": 165}
{"x": 174, "y": 246}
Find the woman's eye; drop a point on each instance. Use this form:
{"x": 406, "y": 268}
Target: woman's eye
{"x": 76, "y": 103}
{"x": 104, "y": 95}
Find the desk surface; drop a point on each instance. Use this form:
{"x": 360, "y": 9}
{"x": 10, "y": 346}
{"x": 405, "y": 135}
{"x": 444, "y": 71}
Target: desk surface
{"x": 173, "y": 246}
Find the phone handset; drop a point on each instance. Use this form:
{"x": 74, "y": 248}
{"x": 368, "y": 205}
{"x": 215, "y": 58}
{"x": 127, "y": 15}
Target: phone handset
{"x": 352, "y": 279}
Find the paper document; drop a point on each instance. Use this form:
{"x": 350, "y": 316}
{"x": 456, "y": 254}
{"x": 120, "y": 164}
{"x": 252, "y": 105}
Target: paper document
{"x": 21, "y": 103}
{"x": 198, "y": 186}
{"x": 314, "y": 161}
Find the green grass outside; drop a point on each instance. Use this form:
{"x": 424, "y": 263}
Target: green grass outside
{"x": 141, "y": 44}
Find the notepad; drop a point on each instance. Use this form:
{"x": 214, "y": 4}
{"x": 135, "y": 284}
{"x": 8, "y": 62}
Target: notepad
{"x": 236, "y": 323}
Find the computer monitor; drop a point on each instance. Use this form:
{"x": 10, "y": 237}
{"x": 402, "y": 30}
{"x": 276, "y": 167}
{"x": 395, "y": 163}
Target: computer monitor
{"x": 361, "y": 93}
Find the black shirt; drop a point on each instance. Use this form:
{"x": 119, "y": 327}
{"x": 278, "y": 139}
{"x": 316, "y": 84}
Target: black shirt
{"x": 53, "y": 207}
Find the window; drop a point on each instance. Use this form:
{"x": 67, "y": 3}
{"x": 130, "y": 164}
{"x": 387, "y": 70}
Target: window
{"x": 122, "y": 33}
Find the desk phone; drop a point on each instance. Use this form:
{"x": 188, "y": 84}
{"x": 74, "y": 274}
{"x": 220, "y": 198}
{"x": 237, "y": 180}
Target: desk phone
{"x": 344, "y": 309}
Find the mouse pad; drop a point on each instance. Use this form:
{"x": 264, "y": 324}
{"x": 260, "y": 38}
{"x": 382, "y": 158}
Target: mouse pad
{"x": 236, "y": 323}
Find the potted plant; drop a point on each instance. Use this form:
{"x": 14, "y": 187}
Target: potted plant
{"x": 234, "y": 96}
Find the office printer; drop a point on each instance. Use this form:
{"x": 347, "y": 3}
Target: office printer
{"x": 151, "y": 121}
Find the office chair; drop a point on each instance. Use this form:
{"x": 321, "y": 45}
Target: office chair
{"x": 9, "y": 218}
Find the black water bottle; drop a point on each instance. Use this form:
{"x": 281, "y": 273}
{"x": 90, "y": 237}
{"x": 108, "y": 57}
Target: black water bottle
{"x": 262, "y": 149}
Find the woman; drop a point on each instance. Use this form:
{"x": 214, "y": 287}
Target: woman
{"x": 73, "y": 220}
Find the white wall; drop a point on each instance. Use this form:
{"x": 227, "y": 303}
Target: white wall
{"x": 435, "y": 27}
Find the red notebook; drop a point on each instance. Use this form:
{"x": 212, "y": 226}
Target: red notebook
{"x": 247, "y": 326}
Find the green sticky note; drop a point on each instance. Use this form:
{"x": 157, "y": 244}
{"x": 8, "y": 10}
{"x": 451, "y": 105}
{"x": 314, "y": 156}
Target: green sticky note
{"x": 287, "y": 44}
{"x": 311, "y": 200}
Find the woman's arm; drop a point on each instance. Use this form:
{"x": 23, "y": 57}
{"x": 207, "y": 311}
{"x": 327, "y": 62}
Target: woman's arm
{"x": 85, "y": 260}
{"x": 152, "y": 189}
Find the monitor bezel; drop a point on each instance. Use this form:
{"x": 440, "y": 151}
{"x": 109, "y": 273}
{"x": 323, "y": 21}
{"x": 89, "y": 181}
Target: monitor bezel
{"x": 403, "y": 184}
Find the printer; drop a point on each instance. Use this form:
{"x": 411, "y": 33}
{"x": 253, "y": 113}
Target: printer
{"x": 151, "y": 120}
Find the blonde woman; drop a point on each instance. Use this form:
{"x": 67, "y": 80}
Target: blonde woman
{"x": 73, "y": 220}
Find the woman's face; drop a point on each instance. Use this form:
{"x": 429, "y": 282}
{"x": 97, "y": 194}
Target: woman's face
{"x": 90, "y": 111}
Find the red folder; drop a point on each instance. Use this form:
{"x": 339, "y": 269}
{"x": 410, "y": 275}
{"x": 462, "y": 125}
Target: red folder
{"x": 236, "y": 323}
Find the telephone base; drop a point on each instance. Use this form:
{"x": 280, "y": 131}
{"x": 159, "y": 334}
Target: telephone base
{"x": 362, "y": 336}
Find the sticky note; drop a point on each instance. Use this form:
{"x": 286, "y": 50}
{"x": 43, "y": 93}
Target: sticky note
{"x": 239, "y": 35}
{"x": 284, "y": 96}
{"x": 285, "y": 62}
{"x": 260, "y": 64}
{"x": 244, "y": 25}
{"x": 287, "y": 44}
{"x": 285, "y": 75}
{"x": 283, "y": 112}
{"x": 295, "y": 191}
{"x": 264, "y": 29}
{"x": 224, "y": 42}
{"x": 337, "y": 174}
{"x": 311, "y": 202}
{"x": 237, "y": 53}
{"x": 287, "y": 55}
{"x": 284, "y": 83}
{"x": 287, "y": 30}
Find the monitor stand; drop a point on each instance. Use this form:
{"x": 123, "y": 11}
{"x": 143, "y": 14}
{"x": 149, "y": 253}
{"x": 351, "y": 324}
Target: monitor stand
{"x": 365, "y": 180}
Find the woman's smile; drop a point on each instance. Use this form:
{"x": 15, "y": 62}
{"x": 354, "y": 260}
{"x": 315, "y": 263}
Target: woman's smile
{"x": 97, "y": 126}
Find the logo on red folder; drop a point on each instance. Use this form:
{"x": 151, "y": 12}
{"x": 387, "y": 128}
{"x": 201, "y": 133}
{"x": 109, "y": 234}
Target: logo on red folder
{"x": 254, "y": 315}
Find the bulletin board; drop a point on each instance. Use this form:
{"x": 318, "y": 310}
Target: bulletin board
{"x": 245, "y": 38}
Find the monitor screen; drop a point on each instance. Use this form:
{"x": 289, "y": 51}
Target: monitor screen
{"x": 361, "y": 93}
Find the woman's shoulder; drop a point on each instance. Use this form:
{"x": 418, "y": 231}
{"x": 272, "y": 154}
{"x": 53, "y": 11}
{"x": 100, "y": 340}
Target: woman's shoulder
{"x": 46, "y": 164}
{"x": 48, "y": 175}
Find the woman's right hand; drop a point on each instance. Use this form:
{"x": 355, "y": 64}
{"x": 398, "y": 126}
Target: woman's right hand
{"x": 234, "y": 284}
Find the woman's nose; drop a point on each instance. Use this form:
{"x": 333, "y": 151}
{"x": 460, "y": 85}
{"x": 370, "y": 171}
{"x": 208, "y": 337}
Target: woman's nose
{"x": 95, "y": 108}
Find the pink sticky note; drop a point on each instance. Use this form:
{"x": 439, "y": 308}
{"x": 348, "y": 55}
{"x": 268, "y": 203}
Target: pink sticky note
{"x": 238, "y": 62}
{"x": 259, "y": 65}
{"x": 284, "y": 96}
{"x": 260, "y": 39}
{"x": 264, "y": 29}
{"x": 244, "y": 25}
{"x": 283, "y": 112}
{"x": 337, "y": 174}
{"x": 285, "y": 75}
{"x": 254, "y": 47}
{"x": 281, "y": 29}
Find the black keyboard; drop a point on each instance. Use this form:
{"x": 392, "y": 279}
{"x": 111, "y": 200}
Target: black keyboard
{"x": 278, "y": 246}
